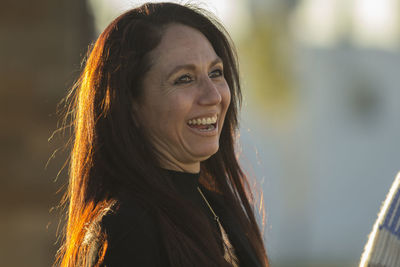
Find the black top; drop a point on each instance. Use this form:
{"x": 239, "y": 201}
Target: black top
{"x": 134, "y": 238}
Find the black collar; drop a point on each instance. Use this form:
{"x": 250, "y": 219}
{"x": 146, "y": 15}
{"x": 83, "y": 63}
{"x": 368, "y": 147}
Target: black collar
{"x": 184, "y": 181}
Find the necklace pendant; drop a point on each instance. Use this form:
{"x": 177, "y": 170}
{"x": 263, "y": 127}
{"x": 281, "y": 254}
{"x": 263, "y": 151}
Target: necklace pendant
{"x": 229, "y": 251}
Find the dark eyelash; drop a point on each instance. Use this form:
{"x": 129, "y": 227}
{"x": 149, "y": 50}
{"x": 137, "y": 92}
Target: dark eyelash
{"x": 220, "y": 72}
{"x": 181, "y": 81}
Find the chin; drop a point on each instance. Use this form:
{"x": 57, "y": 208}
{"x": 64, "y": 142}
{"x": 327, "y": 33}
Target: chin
{"x": 205, "y": 152}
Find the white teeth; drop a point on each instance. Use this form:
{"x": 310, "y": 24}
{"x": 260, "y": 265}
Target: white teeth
{"x": 203, "y": 121}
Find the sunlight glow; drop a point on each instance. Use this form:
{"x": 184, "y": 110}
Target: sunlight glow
{"x": 234, "y": 14}
{"x": 315, "y": 22}
{"x": 376, "y": 23}
{"x": 364, "y": 23}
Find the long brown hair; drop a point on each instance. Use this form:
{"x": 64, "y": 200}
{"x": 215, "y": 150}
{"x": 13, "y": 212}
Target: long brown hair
{"x": 111, "y": 156}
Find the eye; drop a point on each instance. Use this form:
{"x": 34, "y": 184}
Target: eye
{"x": 216, "y": 73}
{"x": 186, "y": 78}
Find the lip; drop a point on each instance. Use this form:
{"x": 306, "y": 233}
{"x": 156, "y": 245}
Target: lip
{"x": 205, "y": 134}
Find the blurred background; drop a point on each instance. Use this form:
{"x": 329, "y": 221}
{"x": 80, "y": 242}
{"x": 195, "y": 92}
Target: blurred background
{"x": 319, "y": 126}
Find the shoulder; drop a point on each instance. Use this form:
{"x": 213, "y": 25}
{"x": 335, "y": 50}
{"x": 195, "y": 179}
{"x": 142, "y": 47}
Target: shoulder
{"x": 128, "y": 217}
{"x": 133, "y": 236}
{"x": 385, "y": 229}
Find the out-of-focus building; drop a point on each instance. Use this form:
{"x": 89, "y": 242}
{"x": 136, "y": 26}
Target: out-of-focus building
{"x": 329, "y": 151}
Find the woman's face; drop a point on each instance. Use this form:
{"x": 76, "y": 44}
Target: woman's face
{"x": 185, "y": 99}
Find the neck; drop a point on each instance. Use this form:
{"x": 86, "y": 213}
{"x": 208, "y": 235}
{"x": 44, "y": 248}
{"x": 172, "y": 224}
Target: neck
{"x": 190, "y": 168}
{"x": 169, "y": 162}
{"x": 181, "y": 167}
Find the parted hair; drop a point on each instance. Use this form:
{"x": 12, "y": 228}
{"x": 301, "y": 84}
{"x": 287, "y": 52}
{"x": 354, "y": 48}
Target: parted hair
{"x": 112, "y": 156}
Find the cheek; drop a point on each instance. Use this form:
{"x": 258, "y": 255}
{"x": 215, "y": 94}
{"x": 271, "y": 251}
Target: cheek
{"x": 174, "y": 111}
{"x": 226, "y": 97}
{"x": 152, "y": 117}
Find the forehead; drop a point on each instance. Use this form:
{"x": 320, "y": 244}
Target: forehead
{"x": 181, "y": 44}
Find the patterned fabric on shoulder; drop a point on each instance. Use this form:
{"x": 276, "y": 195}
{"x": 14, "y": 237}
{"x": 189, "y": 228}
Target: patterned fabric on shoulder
{"x": 383, "y": 246}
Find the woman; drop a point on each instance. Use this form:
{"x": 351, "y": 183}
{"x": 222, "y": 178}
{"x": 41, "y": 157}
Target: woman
{"x": 154, "y": 180}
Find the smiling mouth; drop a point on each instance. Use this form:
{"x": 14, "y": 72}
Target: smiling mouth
{"x": 205, "y": 124}
{"x": 204, "y": 128}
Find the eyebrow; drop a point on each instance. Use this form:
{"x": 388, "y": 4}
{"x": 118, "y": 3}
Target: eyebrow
{"x": 192, "y": 67}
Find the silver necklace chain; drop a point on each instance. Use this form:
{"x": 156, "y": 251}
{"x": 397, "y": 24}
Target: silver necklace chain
{"x": 229, "y": 251}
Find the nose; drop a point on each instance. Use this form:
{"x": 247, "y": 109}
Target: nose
{"x": 210, "y": 95}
